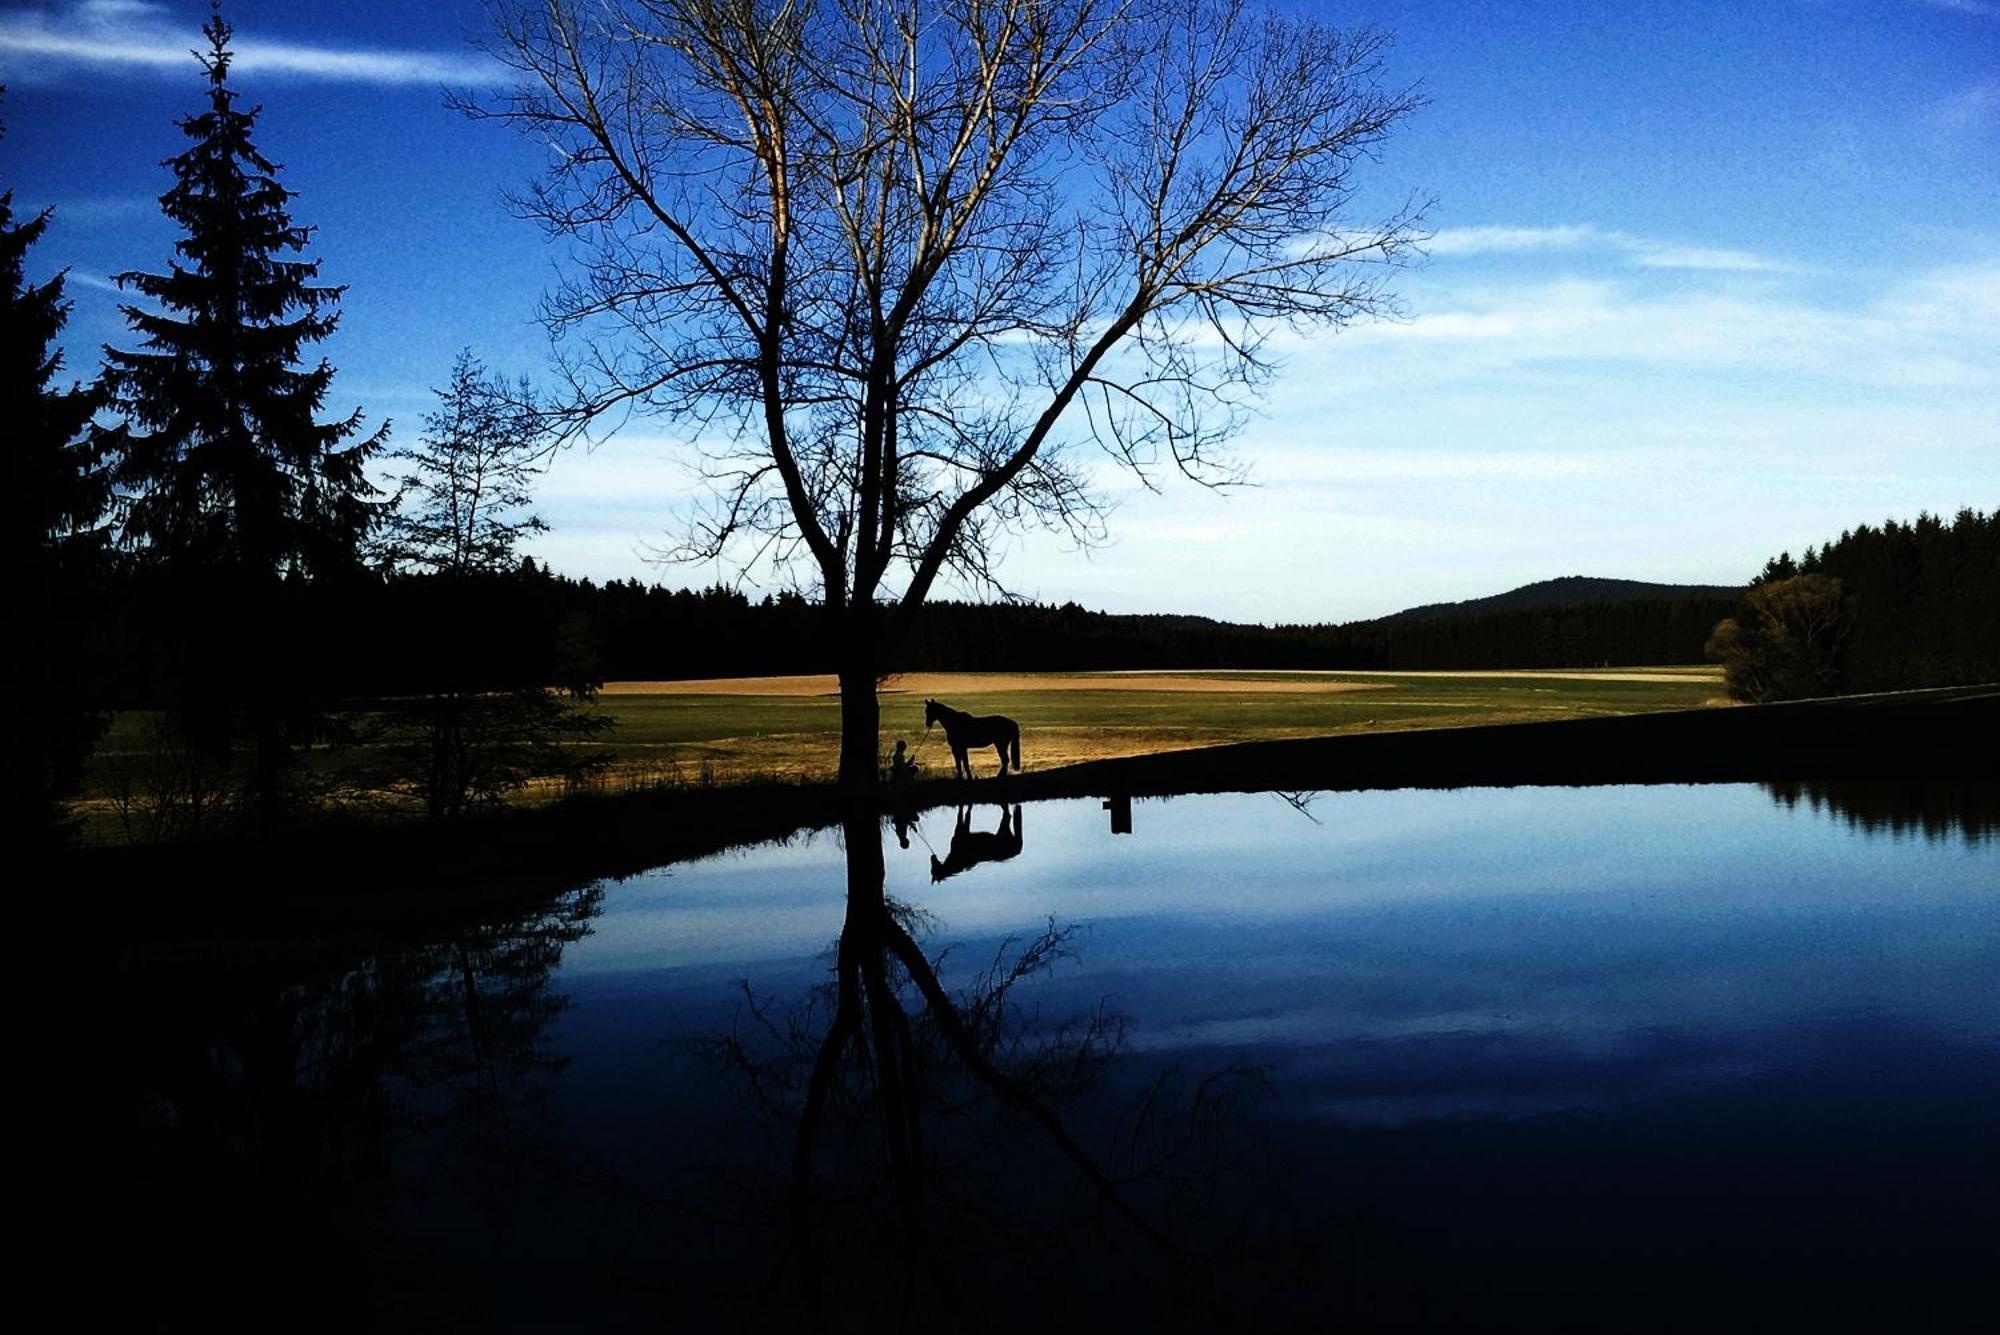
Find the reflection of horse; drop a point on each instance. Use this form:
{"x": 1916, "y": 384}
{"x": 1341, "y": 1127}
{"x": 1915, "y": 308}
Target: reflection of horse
{"x": 971, "y": 847}
{"x": 963, "y": 730}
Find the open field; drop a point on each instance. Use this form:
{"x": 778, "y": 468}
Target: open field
{"x": 789, "y": 726}
{"x": 787, "y": 729}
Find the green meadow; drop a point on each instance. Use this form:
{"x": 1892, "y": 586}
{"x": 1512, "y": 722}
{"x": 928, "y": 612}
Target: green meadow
{"x": 740, "y": 731}
{"x": 747, "y": 730}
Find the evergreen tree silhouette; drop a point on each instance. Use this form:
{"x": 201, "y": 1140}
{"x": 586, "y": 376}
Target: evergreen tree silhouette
{"x": 57, "y": 495}
{"x": 235, "y": 491}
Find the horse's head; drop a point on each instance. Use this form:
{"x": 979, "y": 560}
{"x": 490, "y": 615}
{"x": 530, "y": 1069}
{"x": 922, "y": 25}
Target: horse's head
{"x": 930, "y": 712}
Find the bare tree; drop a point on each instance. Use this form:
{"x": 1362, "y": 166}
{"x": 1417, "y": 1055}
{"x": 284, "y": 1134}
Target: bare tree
{"x": 479, "y": 731}
{"x": 896, "y": 262}
{"x": 464, "y": 503}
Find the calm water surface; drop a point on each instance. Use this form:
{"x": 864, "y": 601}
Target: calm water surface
{"x": 1719, "y": 1056}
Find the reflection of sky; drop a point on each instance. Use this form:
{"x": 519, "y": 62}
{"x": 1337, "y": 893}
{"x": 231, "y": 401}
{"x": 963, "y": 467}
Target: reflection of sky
{"x": 1411, "y": 953}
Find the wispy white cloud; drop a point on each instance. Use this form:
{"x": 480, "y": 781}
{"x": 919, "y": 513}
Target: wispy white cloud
{"x": 1976, "y": 107}
{"x": 104, "y": 209}
{"x": 1939, "y": 329}
{"x": 1487, "y": 240}
{"x": 1642, "y": 251}
{"x": 1711, "y": 258}
{"x": 40, "y": 44}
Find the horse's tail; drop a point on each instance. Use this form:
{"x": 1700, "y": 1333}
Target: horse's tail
{"x": 1015, "y": 745}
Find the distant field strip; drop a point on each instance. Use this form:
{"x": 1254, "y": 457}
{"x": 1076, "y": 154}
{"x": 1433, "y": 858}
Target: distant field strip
{"x": 1665, "y": 674}
{"x": 987, "y": 683}
{"x": 754, "y": 728}
{"x": 789, "y": 726}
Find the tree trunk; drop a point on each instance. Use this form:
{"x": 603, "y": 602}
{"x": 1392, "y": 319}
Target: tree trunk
{"x": 860, "y": 756}
{"x": 860, "y": 713}
{"x": 860, "y": 732}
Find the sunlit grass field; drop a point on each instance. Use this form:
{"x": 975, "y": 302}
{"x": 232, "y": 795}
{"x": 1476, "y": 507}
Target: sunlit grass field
{"x": 787, "y": 729}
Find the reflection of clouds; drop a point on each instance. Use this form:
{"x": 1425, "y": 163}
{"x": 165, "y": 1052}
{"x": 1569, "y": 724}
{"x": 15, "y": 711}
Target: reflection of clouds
{"x": 1397, "y": 1072}
{"x": 1508, "y": 1076}
{"x": 1430, "y": 954}
{"x": 769, "y": 902}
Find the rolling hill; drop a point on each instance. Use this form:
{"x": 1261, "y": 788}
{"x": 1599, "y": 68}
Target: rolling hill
{"x": 1567, "y": 591}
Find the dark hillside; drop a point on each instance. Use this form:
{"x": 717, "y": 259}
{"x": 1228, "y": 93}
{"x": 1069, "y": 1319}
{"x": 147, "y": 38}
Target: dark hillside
{"x": 1568, "y": 591}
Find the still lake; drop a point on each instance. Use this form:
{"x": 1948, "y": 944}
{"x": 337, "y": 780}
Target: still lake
{"x": 1724, "y": 1056}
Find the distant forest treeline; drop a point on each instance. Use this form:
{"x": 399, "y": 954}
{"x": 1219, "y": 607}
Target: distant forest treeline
{"x": 1917, "y": 604}
{"x": 1921, "y": 607}
{"x": 394, "y": 634}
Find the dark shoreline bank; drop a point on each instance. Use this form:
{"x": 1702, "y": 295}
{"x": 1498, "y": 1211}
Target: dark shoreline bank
{"x": 348, "y": 879}
{"x": 1933, "y": 734}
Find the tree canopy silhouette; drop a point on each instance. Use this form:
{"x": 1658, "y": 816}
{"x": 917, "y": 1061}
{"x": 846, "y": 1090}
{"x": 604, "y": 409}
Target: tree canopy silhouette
{"x": 1895, "y": 607}
{"x": 229, "y": 481}
{"x": 1787, "y": 642}
{"x": 57, "y": 495}
{"x": 465, "y": 501}
{"x": 898, "y": 265}
{"x": 228, "y": 463}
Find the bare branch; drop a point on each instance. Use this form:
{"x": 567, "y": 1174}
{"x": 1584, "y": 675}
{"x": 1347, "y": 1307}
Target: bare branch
{"x": 892, "y": 264}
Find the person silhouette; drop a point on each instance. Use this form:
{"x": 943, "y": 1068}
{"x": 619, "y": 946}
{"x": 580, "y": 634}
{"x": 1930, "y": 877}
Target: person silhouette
{"x": 902, "y": 769}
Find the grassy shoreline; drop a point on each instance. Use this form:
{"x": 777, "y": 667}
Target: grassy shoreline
{"x": 350, "y": 880}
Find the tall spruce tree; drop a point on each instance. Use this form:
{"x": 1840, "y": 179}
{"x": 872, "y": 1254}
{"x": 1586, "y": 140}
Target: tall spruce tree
{"x": 56, "y": 497}
{"x": 236, "y": 495}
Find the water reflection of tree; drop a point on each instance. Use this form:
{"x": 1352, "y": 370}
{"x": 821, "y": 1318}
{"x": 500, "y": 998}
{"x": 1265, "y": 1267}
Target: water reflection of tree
{"x": 1936, "y": 810}
{"x": 270, "y": 1116}
{"x": 487, "y": 1001}
{"x": 920, "y": 1146}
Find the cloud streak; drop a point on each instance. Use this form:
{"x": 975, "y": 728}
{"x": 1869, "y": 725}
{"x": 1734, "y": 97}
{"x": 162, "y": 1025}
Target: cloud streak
{"x": 1975, "y": 107}
{"x": 1642, "y": 251}
{"x": 1939, "y": 329}
{"x": 97, "y": 35}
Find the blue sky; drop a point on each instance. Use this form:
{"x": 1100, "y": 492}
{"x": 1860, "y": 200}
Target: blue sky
{"x": 1708, "y": 280}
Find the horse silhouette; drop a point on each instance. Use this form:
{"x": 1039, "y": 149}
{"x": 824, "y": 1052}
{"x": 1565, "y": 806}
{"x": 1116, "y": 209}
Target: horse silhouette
{"x": 970, "y": 847}
{"x": 962, "y": 730}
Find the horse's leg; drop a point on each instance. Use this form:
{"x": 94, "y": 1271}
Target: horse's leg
{"x": 1000, "y": 749}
